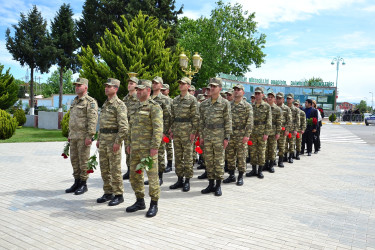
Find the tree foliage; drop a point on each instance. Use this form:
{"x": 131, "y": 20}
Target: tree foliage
{"x": 19, "y": 114}
{"x": 53, "y": 84}
{"x": 362, "y": 106}
{"x": 65, "y": 124}
{"x": 8, "y": 125}
{"x": 313, "y": 80}
{"x": 8, "y": 89}
{"x": 226, "y": 40}
{"x": 31, "y": 44}
{"x": 138, "y": 46}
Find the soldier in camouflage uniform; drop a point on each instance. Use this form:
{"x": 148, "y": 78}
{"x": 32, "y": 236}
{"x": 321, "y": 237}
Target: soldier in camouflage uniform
{"x": 242, "y": 125}
{"x": 192, "y": 92}
{"x": 274, "y": 136}
{"x": 229, "y": 96}
{"x": 215, "y": 129}
{"x": 168, "y": 146}
{"x": 290, "y": 142}
{"x": 82, "y": 128}
{"x": 163, "y": 101}
{"x": 301, "y": 129}
{"x": 261, "y": 130}
{"x": 144, "y": 139}
{"x": 184, "y": 126}
{"x": 131, "y": 103}
{"x": 285, "y": 126}
{"x": 114, "y": 127}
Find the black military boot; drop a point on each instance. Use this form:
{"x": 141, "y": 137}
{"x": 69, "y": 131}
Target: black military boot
{"x": 201, "y": 166}
{"x": 178, "y": 184}
{"x": 74, "y": 187}
{"x": 116, "y": 200}
{"x": 285, "y": 159}
{"x": 290, "y": 159}
{"x": 186, "y": 187}
{"x": 266, "y": 165}
{"x": 138, "y": 205}
{"x": 210, "y": 188}
{"x": 247, "y": 159}
{"x": 260, "y": 169}
{"x": 126, "y": 175}
{"x": 252, "y": 172}
{"x": 160, "y": 178}
{"x": 218, "y": 188}
{"x": 105, "y": 197}
{"x": 168, "y": 168}
{"x": 226, "y": 166}
{"x": 270, "y": 167}
{"x": 240, "y": 179}
{"x": 82, "y": 188}
{"x": 231, "y": 178}
{"x": 203, "y": 176}
{"x": 297, "y": 156}
{"x": 274, "y": 163}
{"x": 153, "y": 209}
{"x": 145, "y": 182}
{"x": 280, "y": 162}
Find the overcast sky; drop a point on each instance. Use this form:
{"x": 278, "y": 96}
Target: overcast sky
{"x": 303, "y": 36}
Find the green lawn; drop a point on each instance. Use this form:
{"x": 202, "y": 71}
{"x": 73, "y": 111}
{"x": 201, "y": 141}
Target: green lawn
{"x": 35, "y": 135}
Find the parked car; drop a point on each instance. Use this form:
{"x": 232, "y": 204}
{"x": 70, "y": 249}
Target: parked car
{"x": 370, "y": 120}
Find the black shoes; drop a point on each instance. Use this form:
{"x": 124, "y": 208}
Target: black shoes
{"x": 297, "y": 156}
{"x": 218, "y": 188}
{"x": 153, "y": 210}
{"x": 309, "y": 154}
{"x": 226, "y": 167}
{"x": 138, "y": 205}
{"x": 203, "y": 176}
{"x": 168, "y": 168}
{"x": 270, "y": 166}
{"x": 280, "y": 162}
{"x": 186, "y": 185}
{"x": 82, "y": 188}
{"x": 126, "y": 175}
{"x": 116, "y": 200}
{"x": 231, "y": 178}
{"x": 74, "y": 187}
{"x": 160, "y": 178}
{"x": 252, "y": 172}
{"x": 240, "y": 179}
{"x": 260, "y": 169}
{"x": 178, "y": 184}
{"x": 290, "y": 158}
{"x": 105, "y": 197}
{"x": 210, "y": 188}
{"x": 285, "y": 159}
{"x": 316, "y": 151}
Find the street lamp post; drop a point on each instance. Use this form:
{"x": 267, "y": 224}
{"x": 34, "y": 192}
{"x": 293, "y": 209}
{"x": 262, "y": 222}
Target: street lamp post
{"x": 197, "y": 63}
{"x": 372, "y": 101}
{"x": 337, "y": 59}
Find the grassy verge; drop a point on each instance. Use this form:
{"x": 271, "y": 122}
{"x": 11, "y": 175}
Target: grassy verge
{"x": 35, "y": 135}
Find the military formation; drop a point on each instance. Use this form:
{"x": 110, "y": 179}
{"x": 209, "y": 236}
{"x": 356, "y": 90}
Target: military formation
{"x": 225, "y": 129}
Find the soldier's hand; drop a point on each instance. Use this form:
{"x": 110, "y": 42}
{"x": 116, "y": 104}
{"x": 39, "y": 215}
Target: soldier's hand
{"x": 265, "y": 137}
{"x": 302, "y": 132}
{"x": 225, "y": 143}
{"x": 245, "y": 140}
{"x": 314, "y": 130}
{"x": 68, "y": 139}
{"x": 277, "y": 136}
{"x": 88, "y": 142}
{"x": 116, "y": 147}
{"x": 153, "y": 152}
{"x": 286, "y": 133}
{"x": 294, "y": 133}
{"x": 128, "y": 149}
{"x": 97, "y": 144}
{"x": 201, "y": 141}
{"x": 192, "y": 137}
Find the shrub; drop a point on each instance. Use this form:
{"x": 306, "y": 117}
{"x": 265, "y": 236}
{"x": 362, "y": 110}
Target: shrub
{"x": 8, "y": 125}
{"x": 65, "y": 124}
{"x": 19, "y": 114}
{"x": 332, "y": 117}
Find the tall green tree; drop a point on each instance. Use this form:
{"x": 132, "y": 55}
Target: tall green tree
{"x": 362, "y": 106}
{"x": 228, "y": 41}
{"x": 64, "y": 39}
{"x": 53, "y": 83}
{"x": 99, "y": 15}
{"x": 8, "y": 89}
{"x": 138, "y": 46}
{"x": 31, "y": 45}
{"x": 313, "y": 80}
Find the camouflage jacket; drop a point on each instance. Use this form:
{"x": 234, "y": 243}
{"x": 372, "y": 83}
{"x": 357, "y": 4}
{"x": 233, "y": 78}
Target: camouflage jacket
{"x": 215, "y": 123}
{"x": 131, "y": 102}
{"x": 146, "y": 128}
{"x": 83, "y": 117}
{"x": 242, "y": 118}
{"x": 286, "y": 121}
{"x": 302, "y": 118}
{"x": 262, "y": 119}
{"x": 113, "y": 121}
{"x": 184, "y": 115}
{"x": 295, "y": 119}
{"x": 276, "y": 119}
{"x": 163, "y": 101}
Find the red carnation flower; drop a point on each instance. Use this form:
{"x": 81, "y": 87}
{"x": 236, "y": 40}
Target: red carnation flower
{"x": 139, "y": 171}
{"x": 290, "y": 135}
{"x": 249, "y": 143}
{"x": 282, "y": 128}
{"x": 315, "y": 121}
{"x": 90, "y": 171}
{"x": 198, "y": 150}
{"x": 64, "y": 155}
{"x": 298, "y": 136}
{"x": 165, "y": 139}
{"x": 197, "y": 143}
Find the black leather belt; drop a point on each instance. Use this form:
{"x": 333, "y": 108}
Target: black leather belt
{"x": 213, "y": 126}
{"x": 182, "y": 119}
{"x": 259, "y": 123}
{"x": 108, "y": 130}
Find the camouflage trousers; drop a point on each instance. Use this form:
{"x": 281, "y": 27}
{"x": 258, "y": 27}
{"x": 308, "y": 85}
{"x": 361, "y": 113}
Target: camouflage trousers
{"x": 194, "y": 154}
{"x": 271, "y": 148}
{"x": 137, "y": 180}
{"x": 110, "y": 168}
{"x": 258, "y": 150}
{"x": 214, "y": 159}
{"x": 183, "y": 156}
{"x": 281, "y": 144}
{"x": 169, "y": 149}
{"x": 290, "y": 144}
{"x": 299, "y": 143}
{"x": 161, "y": 157}
{"x": 236, "y": 152}
{"x": 79, "y": 155}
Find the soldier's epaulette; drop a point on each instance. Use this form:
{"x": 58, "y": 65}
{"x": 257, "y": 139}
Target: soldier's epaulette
{"x": 153, "y": 102}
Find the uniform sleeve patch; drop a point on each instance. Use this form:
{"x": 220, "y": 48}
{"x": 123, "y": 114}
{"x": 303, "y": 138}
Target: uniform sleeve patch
{"x": 92, "y": 105}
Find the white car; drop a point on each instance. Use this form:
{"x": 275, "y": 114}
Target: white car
{"x": 370, "y": 120}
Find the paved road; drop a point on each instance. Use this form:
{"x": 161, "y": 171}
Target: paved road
{"x": 326, "y": 201}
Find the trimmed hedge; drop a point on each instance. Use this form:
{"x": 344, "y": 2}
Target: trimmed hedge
{"x": 19, "y": 114}
{"x": 8, "y": 125}
{"x": 65, "y": 124}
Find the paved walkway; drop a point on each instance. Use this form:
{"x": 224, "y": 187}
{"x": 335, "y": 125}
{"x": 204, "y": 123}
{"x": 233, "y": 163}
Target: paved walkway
{"x": 325, "y": 201}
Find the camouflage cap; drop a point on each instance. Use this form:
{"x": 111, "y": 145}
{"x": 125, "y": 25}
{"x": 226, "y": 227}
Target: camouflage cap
{"x": 142, "y": 84}
{"x": 200, "y": 97}
{"x": 112, "y": 82}
{"x": 192, "y": 88}
{"x": 216, "y": 81}
{"x": 252, "y": 96}
{"x": 81, "y": 81}
{"x": 208, "y": 87}
{"x": 280, "y": 94}
{"x": 258, "y": 89}
{"x": 290, "y": 95}
{"x": 239, "y": 86}
{"x": 245, "y": 98}
{"x": 271, "y": 93}
{"x": 296, "y": 102}
{"x": 185, "y": 80}
{"x": 158, "y": 79}
{"x": 133, "y": 79}
{"x": 165, "y": 86}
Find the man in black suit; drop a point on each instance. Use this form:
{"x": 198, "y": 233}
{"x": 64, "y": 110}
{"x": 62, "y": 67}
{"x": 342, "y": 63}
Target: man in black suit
{"x": 307, "y": 137}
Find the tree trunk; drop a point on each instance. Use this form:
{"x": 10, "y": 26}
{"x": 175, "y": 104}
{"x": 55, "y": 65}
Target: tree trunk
{"x": 32, "y": 92}
{"x": 61, "y": 88}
